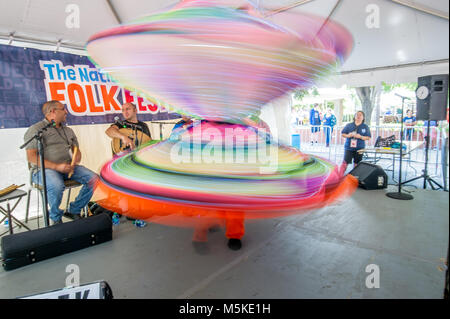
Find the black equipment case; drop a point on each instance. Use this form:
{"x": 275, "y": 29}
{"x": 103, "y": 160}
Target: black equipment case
{"x": 25, "y": 248}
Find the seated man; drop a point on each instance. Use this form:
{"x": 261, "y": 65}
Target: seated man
{"x": 58, "y": 143}
{"x": 129, "y": 113}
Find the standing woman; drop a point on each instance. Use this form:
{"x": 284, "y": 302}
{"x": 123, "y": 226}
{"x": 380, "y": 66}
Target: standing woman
{"x": 314, "y": 121}
{"x": 356, "y": 134}
{"x": 409, "y": 121}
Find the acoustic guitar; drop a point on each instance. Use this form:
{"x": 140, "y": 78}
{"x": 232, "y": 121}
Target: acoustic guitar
{"x": 138, "y": 137}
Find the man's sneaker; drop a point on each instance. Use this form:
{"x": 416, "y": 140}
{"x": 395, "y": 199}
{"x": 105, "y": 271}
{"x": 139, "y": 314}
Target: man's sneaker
{"x": 56, "y": 222}
{"x": 139, "y": 223}
{"x": 72, "y": 216}
{"x": 234, "y": 244}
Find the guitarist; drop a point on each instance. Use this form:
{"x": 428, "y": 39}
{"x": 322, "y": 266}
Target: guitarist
{"x": 129, "y": 112}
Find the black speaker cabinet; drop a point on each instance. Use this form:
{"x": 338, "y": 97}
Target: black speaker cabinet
{"x": 370, "y": 176}
{"x": 35, "y": 245}
{"x": 431, "y": 94}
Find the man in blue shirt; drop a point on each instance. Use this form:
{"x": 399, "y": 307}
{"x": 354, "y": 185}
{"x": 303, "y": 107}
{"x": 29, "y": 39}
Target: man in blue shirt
{"x": 409, "y": 121}
{"x": 184, "y": 123}
{"x": 329, "y": 121}
{"x": 356, "y": 134}
{"x": 314, "y": 121}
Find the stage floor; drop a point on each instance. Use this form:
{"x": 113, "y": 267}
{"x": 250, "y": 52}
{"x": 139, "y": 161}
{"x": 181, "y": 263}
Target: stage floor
{"x": 320, "y": 254}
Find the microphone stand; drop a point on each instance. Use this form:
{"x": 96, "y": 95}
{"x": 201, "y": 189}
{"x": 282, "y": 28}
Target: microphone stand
{"x": 133, "y": 127}
{"x": 425, "y": 175}
{"x": 38, "y": 137}
{"x": 136, "y": 139}
{"x": 399, "y": 194}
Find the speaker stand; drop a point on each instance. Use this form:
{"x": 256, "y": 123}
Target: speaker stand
{"x": 399, "y": 194}
{"x": 425, "y": 176}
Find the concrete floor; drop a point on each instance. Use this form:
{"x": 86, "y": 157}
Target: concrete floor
{"x": 321, "y": 254}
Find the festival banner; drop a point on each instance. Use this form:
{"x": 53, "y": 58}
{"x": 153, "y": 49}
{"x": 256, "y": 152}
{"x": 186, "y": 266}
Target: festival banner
{"x": 30, "y": 77}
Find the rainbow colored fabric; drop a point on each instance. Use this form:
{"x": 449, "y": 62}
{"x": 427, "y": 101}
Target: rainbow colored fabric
{"x": 211, "y": 168}
{"x": 221, "y": 64}
{"x": 216, "y": 62}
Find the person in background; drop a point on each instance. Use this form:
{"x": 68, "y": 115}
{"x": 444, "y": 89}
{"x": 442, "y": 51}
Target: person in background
{"x": 299, "y": 117}
{"x": 184, "y": 123}
{"x": 356, "y": 134}
{"x": 329, "y": 121}
{"x": 409, "y": 121}
{"x": 295, "y": 120}
{"x": 314, "y": 121}
{"x": 433, "y": 133}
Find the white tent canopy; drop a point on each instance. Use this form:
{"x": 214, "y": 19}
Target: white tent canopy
{"x": 394, "y": 40}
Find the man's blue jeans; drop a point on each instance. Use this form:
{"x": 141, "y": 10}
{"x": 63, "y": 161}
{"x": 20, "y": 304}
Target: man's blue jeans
{"x": 55, "y": 189}
{"x": 328, "y": 134}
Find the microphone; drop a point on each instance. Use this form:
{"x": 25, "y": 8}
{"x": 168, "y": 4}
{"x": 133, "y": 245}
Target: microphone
{"x": 38, "y": 135}
{"x": 52, "y": 123}
{"x": 403, "y": 97}
{"x": 118, "y": 121}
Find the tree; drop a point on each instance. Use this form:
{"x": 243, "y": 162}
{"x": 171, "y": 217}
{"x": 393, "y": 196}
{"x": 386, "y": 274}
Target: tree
{"x": 387, "y": 88}
{"x": 367, "y": 96}
{"x": 300, "y": 94}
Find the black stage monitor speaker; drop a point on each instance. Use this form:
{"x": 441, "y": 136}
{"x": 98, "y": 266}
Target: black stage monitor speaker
{"x": 25, "y": 248}
{"x": 370, "y": 176}
{"x": 431, "y": 94}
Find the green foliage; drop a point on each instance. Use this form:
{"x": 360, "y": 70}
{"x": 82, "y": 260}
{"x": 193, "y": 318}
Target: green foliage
{"x": 411, "y": 86}
{"x": 301, "y": 94}
{"x": 347, "y": 118}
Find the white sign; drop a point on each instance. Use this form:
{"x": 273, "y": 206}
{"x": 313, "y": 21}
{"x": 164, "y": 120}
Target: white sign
{"x": 88, "y": 291}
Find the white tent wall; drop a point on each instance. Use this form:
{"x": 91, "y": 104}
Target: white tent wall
{"x": 277, "y": 115}
{"x": 386, "y": 33}
{"x": 392, "y": 75}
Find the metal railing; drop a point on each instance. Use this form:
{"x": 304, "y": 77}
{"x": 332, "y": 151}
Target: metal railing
{"x": 335, "y": 150}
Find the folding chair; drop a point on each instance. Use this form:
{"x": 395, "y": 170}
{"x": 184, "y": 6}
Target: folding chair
{"x": 69, "y": 184}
